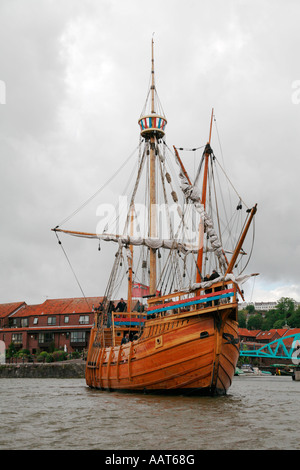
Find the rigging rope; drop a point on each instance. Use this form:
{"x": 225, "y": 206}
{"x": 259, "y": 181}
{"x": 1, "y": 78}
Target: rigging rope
{"x": 231, "y": 183}
{"x": 250, "y": 255}
{"x": 252, "y": 288}
{"x": 99, "y": 190}
{"x": 69, "y": 262}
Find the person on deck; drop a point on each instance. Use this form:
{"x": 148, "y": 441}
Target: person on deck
{"x": 207, "y": 291}
{"x": 214, "y": 275}
{"x": 125, "y": 339}
{"x": 121, "y": 306}
{"x": 111, "y": 308}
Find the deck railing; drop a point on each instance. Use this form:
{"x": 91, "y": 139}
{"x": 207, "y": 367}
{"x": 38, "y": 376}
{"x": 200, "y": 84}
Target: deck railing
{"x": 218, "y": 294}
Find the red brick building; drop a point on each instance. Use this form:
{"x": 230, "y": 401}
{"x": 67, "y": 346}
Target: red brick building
{"x": 9, "y": 309}
{"x": 247, "y": 336}
{"x": 57, "y": 324}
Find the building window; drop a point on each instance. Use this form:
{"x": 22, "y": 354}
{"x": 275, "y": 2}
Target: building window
{"x": 77, "y": 336}
{"x": 14, "y": 322}
{"x": 45, "y": 338}
{"x": 51, "y": 320}
{"x": 66, "y": 319}
{"x": 16, "y": 338}
{"x": 35, "y": 321}
{"x": 24, "y": 322}
{"x": 84, "y": 319}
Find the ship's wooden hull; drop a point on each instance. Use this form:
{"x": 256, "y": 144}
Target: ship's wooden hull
{"x": 192, "y": 353}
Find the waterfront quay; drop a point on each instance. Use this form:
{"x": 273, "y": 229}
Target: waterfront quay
{"x": 60, "y": 370}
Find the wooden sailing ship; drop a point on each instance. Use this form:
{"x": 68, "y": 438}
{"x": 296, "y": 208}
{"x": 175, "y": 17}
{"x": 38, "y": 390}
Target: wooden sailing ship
{"x": 183, "y": 338}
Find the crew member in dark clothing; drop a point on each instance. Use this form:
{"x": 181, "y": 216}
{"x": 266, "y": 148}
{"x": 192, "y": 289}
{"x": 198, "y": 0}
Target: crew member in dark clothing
{"x": 111, "y": 308}
{"x": 125, "y": 339}
{"x": 205, "y": 279}
{"x": 214, "y": 275}
{"x": 207, "y": 291}
{"x": 121, "y": 307}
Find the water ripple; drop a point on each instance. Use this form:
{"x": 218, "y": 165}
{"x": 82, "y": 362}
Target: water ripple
{"x": 65, "y": 414}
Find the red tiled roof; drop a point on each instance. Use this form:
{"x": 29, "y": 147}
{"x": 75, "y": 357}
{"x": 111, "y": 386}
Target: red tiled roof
{"x": 61, "y": 306}
{"x": 30, "y": 310}
{"x": 246, "y": 332}
{"x": 82, "y": 305}
{"x": 282, "y": 331}
{"x": 291, "y": 331}
{"x": 8, "y": 309}
{"x": 271, "y": 333}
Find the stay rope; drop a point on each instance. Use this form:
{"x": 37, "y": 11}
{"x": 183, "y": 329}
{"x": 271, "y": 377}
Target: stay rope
{"x": 72, "y": 269}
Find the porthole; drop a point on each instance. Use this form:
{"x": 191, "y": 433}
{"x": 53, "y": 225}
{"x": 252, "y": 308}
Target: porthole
{"x": 204, "y": 334}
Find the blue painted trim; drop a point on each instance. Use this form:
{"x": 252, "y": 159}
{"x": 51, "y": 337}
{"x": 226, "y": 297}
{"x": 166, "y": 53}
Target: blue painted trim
{"x": 130, "y": 323}
{"x": 194, "y": 302}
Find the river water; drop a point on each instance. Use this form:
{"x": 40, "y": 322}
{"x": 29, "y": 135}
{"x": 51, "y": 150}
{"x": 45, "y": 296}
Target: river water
{"x": 64, "y": 414}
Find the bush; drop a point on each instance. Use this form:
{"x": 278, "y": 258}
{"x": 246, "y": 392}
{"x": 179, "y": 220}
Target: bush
{"x": 11, "y": 350}
{"x": 59, "y": 356}
{"x": 23, "y": 353}
{"x": 44, "y": 357}
{"x": 76, "y": 355}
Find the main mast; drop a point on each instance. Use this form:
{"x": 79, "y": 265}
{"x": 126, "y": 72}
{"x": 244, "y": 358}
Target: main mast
{"x": 152, "y": 189}
{"x": 152, "y": 127}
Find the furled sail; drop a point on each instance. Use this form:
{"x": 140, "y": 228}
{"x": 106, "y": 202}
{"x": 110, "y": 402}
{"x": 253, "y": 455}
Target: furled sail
{"x": 126, "y": 240}
{"x": 228, "y": 277}
{"x": 192, "y": 193}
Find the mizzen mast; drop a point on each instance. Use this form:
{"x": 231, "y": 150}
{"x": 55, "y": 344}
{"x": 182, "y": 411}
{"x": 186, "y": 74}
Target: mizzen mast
{"x": 152, "y": 127}
{"x": 130, "y": 262}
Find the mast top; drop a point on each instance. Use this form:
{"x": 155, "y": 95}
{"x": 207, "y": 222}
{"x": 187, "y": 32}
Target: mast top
{"x": 152, "y": 80}
{"x": 152, "y": 121}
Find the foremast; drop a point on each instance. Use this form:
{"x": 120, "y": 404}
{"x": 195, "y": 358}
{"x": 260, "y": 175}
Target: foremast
{"x": 207, "y": 153}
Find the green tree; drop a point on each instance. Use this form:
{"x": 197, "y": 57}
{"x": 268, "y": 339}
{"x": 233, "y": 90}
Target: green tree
{"x": 11, "y": 350}
{"x": 294, "y": 319}
{"x": 255, "y": 322}
{"x": 250, "y": 308}
{"x": 283, "y": 313}
{"x": 279, "y": 324}
{"x": 269, "y": 320}
{"x": 285, "y": 307}
{"x": 242, "y": 319}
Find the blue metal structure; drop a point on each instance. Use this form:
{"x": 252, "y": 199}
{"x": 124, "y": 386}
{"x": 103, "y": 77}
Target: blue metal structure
{"x": 277, "y": 349}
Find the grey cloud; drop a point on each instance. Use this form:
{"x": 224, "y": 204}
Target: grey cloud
{"x": 76, "y": 75}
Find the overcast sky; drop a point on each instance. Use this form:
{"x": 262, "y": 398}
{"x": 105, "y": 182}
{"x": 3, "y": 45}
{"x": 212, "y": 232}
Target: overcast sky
{"x": 73, "y": 81}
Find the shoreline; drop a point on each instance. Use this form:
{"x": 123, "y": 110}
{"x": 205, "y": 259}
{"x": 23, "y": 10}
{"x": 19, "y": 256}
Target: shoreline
{"x": 74, "y": 369}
